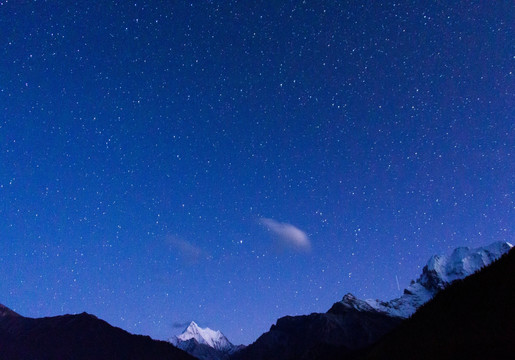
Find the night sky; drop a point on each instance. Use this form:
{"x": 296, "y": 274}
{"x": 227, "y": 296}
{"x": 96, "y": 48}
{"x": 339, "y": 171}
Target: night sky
{"x": 232, "y": 162}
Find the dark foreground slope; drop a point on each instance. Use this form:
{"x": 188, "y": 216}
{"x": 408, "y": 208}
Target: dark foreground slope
{"x": 312, "y": 336}
{"x": 473, "y": 318}
{"x": 352, "y": 325}
{"x": 78, "y": 337}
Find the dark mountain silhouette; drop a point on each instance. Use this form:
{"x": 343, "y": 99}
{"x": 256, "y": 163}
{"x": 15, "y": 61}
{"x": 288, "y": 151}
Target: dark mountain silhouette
{"x": 78, "y": 337}
{"x": 301, "y": 337}
{"x": 353, "y": 324}
{"x": 473, "y": 318}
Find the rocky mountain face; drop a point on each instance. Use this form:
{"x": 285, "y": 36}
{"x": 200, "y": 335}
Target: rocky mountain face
{"x": 438, "y": 273}
{"x": 352, "y": 324}
{"x": 473, "y": 318}
{"x": 466, "y": 317}
{"x": 297, "y": 337}
{"x": 78, "y": 337}
{"x": 204, "y": 343}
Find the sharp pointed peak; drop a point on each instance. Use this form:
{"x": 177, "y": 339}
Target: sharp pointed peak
{"x": 348, "y": 297}
{"x": 193, "y": 324}
{"x": 206, "y": 336}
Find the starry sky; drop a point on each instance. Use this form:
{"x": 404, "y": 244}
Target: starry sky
{"x": 232, "y": 162}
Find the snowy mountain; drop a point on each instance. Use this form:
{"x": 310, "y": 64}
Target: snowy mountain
{"x": 204, "y": 343}
{"x": 469, "y": 319}
{"x": 353, "y": 324}
{"x": 438, "y": 273}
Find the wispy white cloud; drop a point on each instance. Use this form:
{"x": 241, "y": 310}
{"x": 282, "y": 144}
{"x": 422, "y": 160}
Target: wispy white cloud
{"x": 288, "y": 234}
{"x": 189, "y": 251}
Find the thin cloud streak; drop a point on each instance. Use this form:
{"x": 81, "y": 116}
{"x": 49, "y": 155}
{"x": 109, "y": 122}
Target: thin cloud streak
{"x": 192, "y": 253}
{"x": 288, "y": 234}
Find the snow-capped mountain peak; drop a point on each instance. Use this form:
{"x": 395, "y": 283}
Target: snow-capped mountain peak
{"x": 206, "y": 336}
{"x": 439, "y": 272}
{"x": 351, "y": 302}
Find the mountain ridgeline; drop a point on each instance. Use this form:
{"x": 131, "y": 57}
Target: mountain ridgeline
{"x": 204, "y": 343}
{"x": 78, "y": 337}
{"x": 461, "y": 307}
{"x": 352, "y": 325}
{"x": 473, "y": 318}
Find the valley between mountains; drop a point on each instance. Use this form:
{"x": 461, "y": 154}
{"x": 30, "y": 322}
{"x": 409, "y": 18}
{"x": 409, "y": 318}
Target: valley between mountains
{"x": 461, "y": 306}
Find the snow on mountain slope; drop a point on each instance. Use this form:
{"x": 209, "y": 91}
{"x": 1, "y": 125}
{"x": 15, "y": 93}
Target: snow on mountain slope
{"x": 352, "y": 324}
{"x": 206, "y": 336}
{"x": 204, "y": 343}
{"x": 439, "y": 272}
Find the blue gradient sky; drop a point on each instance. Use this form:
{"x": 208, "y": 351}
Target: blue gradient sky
{"x": 232, "y": 162}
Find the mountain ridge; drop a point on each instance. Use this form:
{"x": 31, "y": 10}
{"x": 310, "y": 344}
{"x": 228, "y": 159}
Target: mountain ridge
{"x": 204, "y": 343}
{"x": 79, "y": 337}
{"x": 438, "y": 273}
{"x": 316, "y": 333}
{"x": 473, "y": 318}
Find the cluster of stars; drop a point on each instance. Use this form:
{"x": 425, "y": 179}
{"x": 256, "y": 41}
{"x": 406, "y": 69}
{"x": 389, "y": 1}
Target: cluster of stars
{"x": 143, "y": 144}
